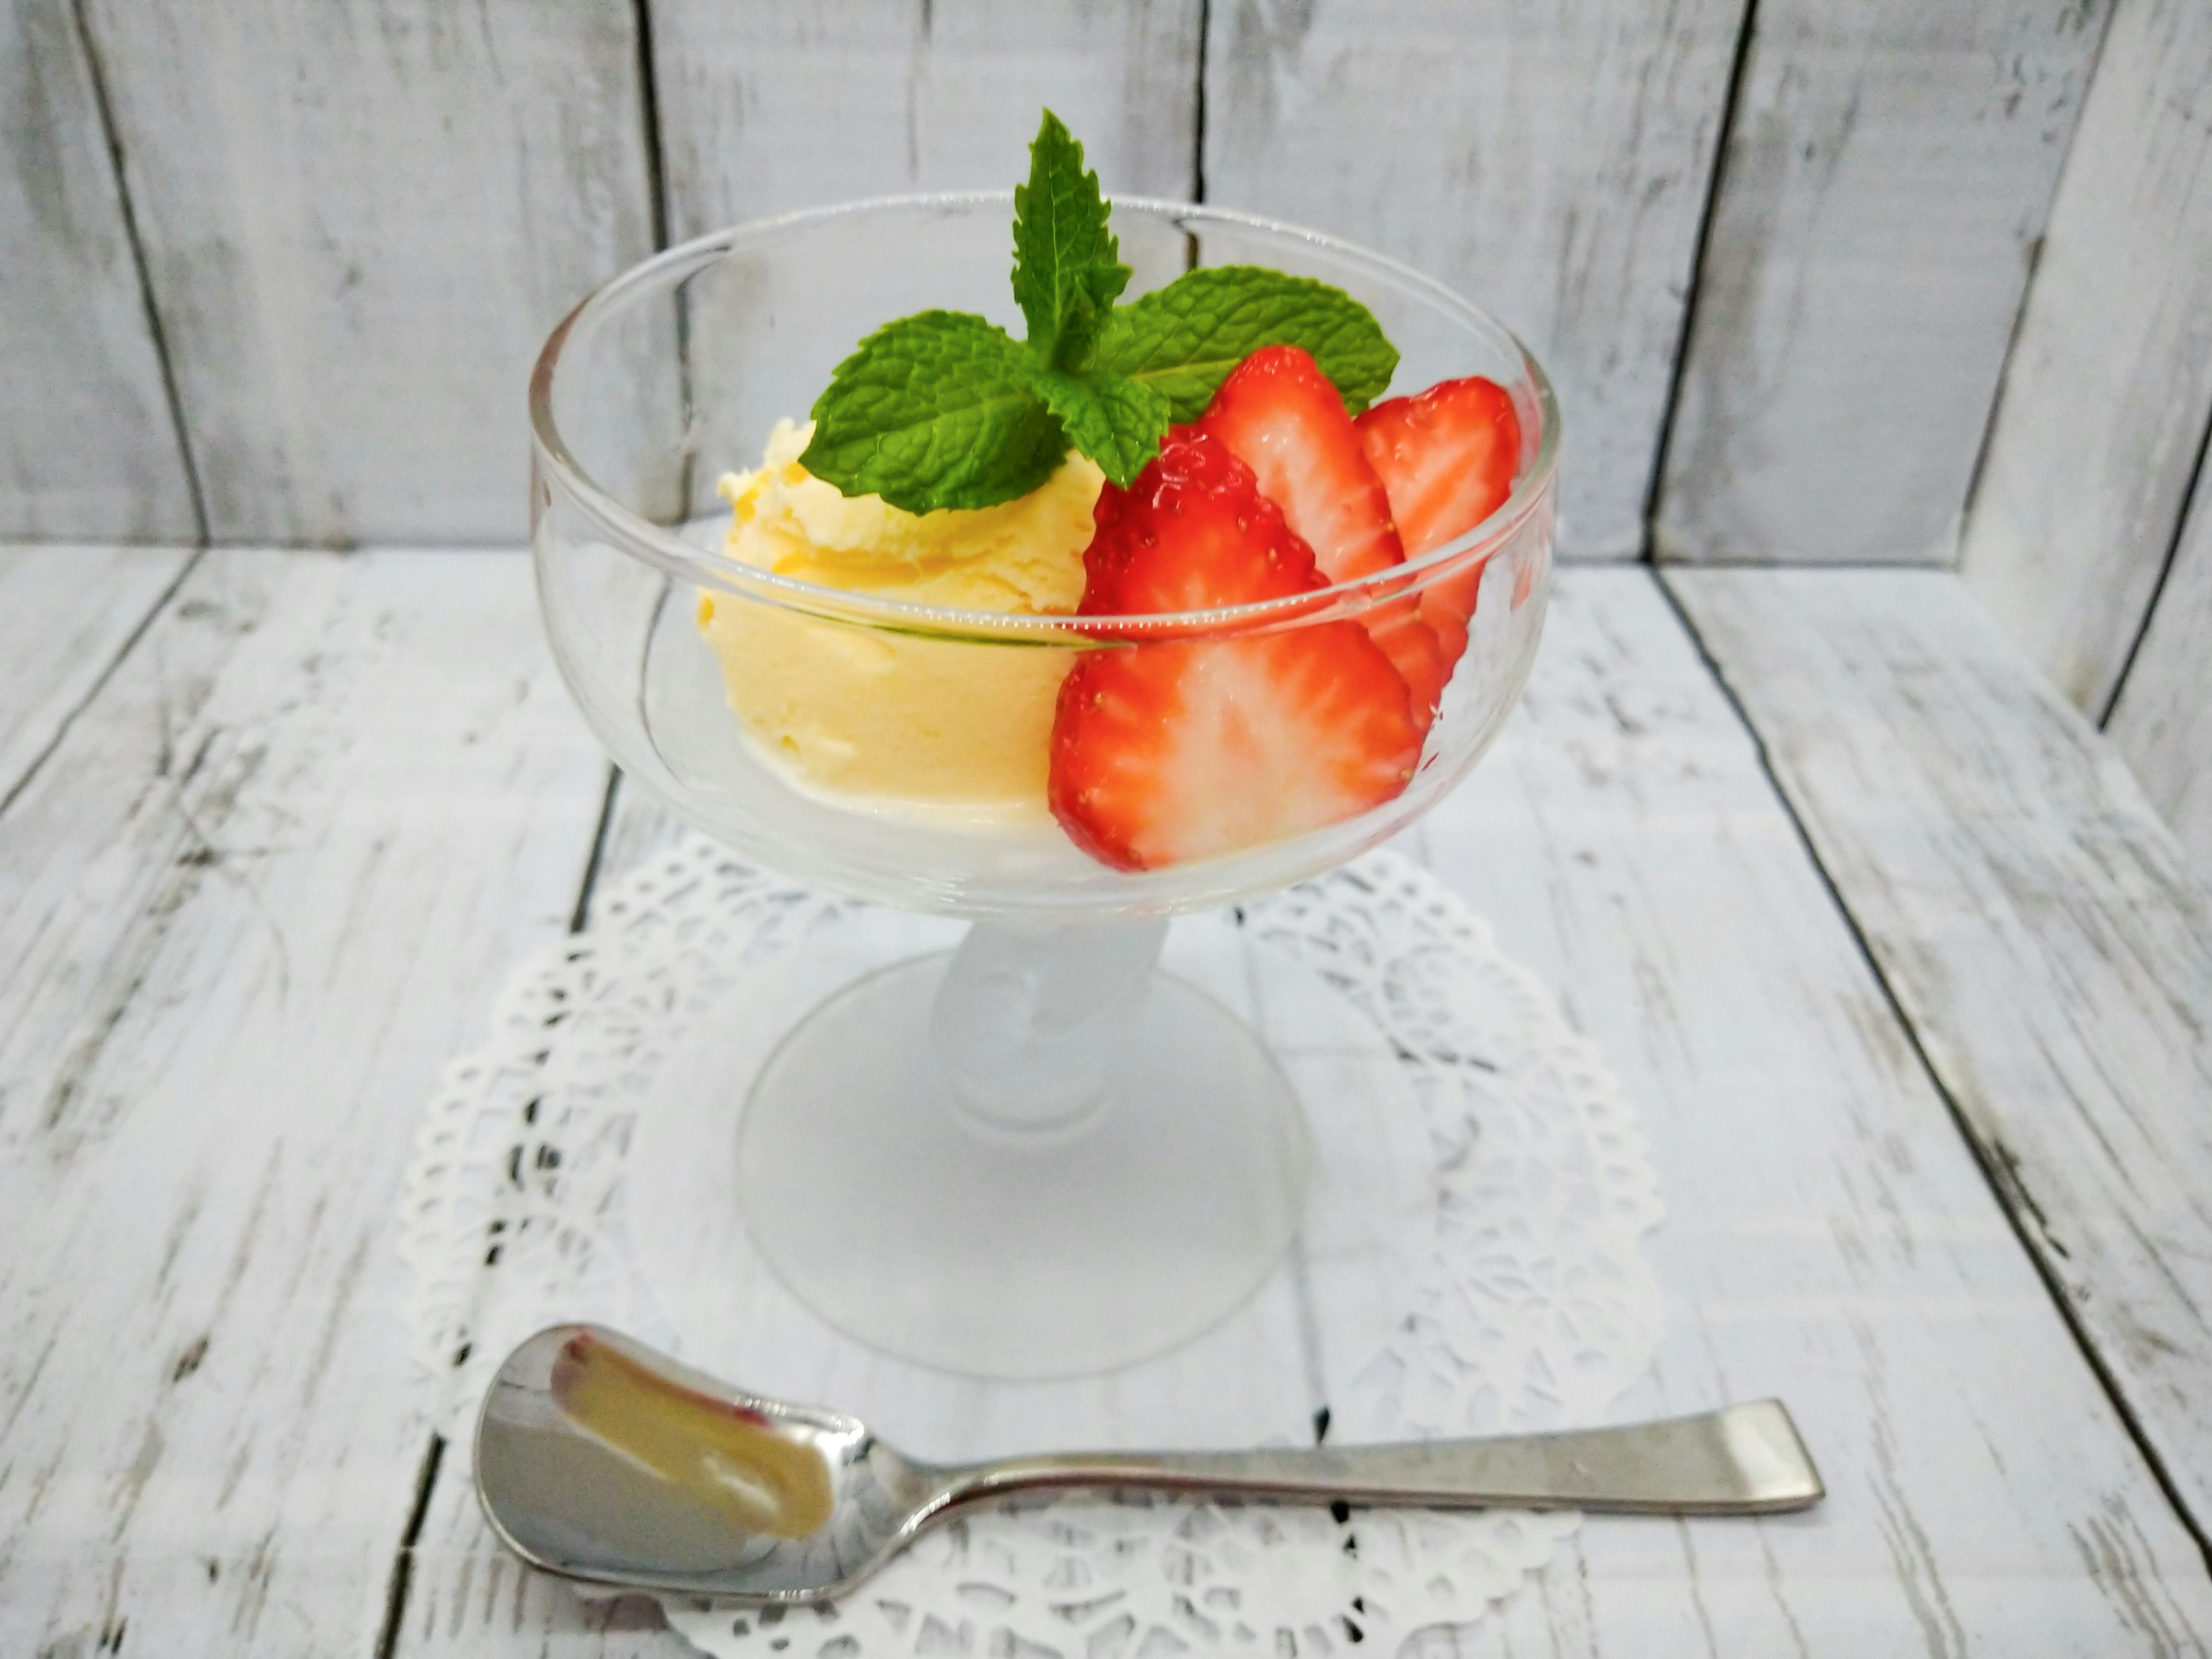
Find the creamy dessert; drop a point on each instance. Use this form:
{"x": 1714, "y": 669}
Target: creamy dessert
{"x": 1216, "y": 443}
{"x": 891, "y": 717}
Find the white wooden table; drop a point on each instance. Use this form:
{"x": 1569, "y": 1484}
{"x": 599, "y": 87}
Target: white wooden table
{"x": 1912, "y": 992}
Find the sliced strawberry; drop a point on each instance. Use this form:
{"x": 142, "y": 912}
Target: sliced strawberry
{"x": 1226, "y": 542}
{"x": 1280, "y": 417}
{"x": 1446, "y": 457}
{"x": 1162, "y": 753}
{"x": 1183, "y": 750}
{"x": 1283, "y": 418}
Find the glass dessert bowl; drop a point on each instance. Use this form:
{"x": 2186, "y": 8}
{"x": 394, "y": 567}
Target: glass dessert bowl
{"x": 1036, "y": 1155}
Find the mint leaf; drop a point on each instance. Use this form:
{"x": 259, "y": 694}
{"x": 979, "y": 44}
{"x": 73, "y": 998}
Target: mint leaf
{"x": 1183, "y": 339}
{"x": 1068, "y": 268}
{"x": 937, "y": 409}
{"x": 1114, "y": 420}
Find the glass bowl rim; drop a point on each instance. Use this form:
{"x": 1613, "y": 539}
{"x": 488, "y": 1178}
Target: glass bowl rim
{"x": 686, "y": 561}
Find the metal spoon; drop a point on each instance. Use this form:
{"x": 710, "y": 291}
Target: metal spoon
{"x": 599, "y": 1459}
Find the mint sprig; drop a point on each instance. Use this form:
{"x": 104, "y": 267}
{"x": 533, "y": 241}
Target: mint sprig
{"x": 1067, "y": 266}
{"x": 947, "y": 409}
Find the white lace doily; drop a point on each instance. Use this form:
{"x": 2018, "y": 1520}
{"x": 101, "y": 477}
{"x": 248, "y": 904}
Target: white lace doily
{"x": 1490, "y": 1279}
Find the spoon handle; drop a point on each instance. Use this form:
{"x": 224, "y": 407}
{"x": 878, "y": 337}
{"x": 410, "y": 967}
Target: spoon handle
{"x": 1743, "y": 1460}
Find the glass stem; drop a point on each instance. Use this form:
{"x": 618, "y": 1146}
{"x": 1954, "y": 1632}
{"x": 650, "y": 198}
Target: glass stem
{"x": 1031, "y": 1016}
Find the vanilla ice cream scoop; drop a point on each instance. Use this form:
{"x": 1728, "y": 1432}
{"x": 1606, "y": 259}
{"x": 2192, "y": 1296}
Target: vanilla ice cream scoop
{"x": 864, "y": 712}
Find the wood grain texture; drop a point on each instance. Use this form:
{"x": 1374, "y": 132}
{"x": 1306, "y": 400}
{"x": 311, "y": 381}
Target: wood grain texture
{"x": 2162, "y": 721}
{"x": 2039, "y": 925}
{"x": 259, "y": 894}
{"x": 361, "y": 219}
{"x": 1549, "y": 162}
{"x": 88, "y": 449}
{"x": 636, "y": 830}
{"x": 2110, "y": 387}
{"x": 1889, "y": 169}
{"x": 1830, "y": 1237}
{"x": 66, "y": 614}
{"x": 766, "y": 106}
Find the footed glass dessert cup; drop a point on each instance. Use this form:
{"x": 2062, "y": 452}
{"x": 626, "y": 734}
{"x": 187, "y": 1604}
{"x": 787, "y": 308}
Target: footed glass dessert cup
{"x": 1035, "y": 1155}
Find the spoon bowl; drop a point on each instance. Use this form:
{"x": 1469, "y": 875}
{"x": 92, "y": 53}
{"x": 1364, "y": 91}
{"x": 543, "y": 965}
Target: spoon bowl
{"x": 599, "y": 1459}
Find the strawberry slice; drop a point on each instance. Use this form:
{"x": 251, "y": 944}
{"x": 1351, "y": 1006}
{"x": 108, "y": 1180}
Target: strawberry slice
{"x": 1283, "y": 418}
{"x": 1446, "y": 457}
{"x": 1166, "y": 752}
{"x": 1227, "y": 543}
{"x": 1280, "y": 417}
{"x": 1185, "y": 749}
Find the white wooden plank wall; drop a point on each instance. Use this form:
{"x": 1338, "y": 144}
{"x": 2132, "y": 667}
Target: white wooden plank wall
{"x": 1550, "y": 162}
{"x": 87, "y": 446}
{"x": 766, "y": 106}
{"x": 2163, "y": 719}
{"x": 361, "y": 218}
{"x": 2109, "y": 387}
{"x": 1889, "y": 167}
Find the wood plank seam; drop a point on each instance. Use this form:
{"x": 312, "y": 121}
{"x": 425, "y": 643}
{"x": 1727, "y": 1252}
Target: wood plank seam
{"x": 2095, "y": 430}
{"x": 97, "y": 69}
{"x": 433, "y": 1454}
{"x": 2165, "y": 570}
{"x": 92, "y": 692}
{"x": 403, "y": 1563}
{"x": 2011, "y": 354}
{"x": 2019, "y": 311}
{"x": 1997, "y": 1164}
{"x": 1714, "y": 180}
{"x": 656, "y": 176}
{"x": 1198, "y": 110}
{"x": 581, "y": 916}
